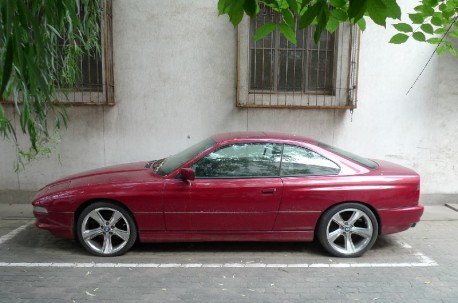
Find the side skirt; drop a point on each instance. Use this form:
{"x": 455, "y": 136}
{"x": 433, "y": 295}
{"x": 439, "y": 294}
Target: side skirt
{"x": 280, "y": 236}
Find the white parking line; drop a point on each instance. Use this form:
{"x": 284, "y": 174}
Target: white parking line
{"x": 13, "y": 233}
{"x": 421, "y": 261}
{"x": 404, "y": 244}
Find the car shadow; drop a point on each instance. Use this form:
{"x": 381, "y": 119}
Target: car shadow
{"x": 44, "y": 243}
{"x": 231, "y": 247}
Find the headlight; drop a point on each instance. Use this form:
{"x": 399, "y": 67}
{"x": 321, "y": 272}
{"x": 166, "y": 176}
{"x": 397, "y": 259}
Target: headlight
{"x": 40, "y": 210}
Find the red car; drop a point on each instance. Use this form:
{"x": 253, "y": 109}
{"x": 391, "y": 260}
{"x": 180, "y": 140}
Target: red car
{"x": 235, "y": 187}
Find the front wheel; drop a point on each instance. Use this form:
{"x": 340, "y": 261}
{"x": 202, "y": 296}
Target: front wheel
{"x": 106, "y": 229}
{"x": 347, "y": 230}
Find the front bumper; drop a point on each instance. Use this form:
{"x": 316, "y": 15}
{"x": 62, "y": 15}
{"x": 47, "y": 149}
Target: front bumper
{"x": 58, "y": 223}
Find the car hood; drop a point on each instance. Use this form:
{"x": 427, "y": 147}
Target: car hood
{"x": 123, "y": 173}
{"x": 110, "y": 170}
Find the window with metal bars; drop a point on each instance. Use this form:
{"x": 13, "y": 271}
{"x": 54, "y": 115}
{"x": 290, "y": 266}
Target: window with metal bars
{"x": 94, "y": 82}
{"x": 272, "y": 72}
{"x": 277, "y": 65}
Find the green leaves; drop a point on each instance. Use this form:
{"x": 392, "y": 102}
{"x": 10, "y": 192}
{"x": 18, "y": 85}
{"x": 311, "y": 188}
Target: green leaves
{"x": 453, "y": 34}
{"x": 434, "y": 40}
{"x": 427, "y": 28}
{"x": 403, "y": 27}
{"x": 7, "y": 64}
{"x": 361, "y": 24}
{"x": 288, "y": 33}
{"x": 294, "y": 6}
{"x": 288, "y": 17}
{"x": 251, "y": 7}
{"x": 380, "y": 10}
{"x": 309, "y": 15}
{"x": 236, "y": 8}
{"x": 437, "y": 20}
{"x": 435, "y": 23}
{"x": 393, "y": 10}
{"x": 425, "y": 10}
{"x": 34, "y": 63}
{"x": 264, "y": 30}
{"x": 428, "y": 18}
{"x": 336, "y": 17}
{"x": 419, "y": 36}
{"x": 269, "y": 27}
{"x": 322, "y": 18}
{"x": 416, "y": 18}
{"x": 339, "y": 15}
{"x": 356, "y": 9}
{"x": 399, "y": 38}
{"x": 338, "y": 3}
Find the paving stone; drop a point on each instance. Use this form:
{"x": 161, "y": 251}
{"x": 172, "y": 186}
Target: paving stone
{"x": 435, "y": 239}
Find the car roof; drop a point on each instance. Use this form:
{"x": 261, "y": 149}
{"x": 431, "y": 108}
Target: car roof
{"x": 234, "y": 136}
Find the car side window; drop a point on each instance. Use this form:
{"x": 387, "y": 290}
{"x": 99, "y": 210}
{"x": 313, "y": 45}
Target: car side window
{"x": 240, "y": 160}
{"x": 299, "y": 161}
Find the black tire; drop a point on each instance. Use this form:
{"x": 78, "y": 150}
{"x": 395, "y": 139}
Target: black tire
{"x": 347, "y": 230}
{"x": 106, "y": 229}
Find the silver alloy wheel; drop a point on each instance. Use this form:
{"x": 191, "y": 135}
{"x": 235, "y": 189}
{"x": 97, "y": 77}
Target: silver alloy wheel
{"x": 349, "y": 231}
{"x": 105, "y": 230}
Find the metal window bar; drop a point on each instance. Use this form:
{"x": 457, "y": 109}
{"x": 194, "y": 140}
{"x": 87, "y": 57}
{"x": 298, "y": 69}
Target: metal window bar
{"x": 317, "y": 68}
{"x": 95, "y": 84}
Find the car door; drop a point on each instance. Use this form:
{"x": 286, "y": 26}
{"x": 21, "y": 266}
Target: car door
{"x": 308, "y": 187}
{"x": 237, "y": 188}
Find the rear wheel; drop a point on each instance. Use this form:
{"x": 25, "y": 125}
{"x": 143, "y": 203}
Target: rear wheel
{"x": 347, "y": 230}
{"x": 106, "y": 229}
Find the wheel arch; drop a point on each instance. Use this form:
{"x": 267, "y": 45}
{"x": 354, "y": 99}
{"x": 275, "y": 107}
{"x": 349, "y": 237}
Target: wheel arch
{"x": 372, "y": 208}
{"x": 85, "y": 204}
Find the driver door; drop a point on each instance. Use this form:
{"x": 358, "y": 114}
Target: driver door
{"x": 237, "y": 188}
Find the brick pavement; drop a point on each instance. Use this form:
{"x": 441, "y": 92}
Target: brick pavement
{"x": 435, "y": 238}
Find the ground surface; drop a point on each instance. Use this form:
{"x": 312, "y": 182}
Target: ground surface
{"x": 419, "y": 265}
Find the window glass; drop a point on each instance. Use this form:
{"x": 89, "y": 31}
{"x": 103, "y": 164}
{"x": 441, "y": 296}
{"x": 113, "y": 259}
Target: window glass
{"x": 173, "y": 162}
{"x": 352, "y": 156}
{"x": 277, "y": 65}
{"x": 240, "y": 160}
{"x": 299, "y": 161}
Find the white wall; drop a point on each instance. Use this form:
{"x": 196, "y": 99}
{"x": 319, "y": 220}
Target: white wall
{"x": 175, "y": 83}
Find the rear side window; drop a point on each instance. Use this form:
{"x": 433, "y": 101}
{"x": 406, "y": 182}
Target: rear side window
{"x": 361, "y": 160}
{"x": 299, "y": 161}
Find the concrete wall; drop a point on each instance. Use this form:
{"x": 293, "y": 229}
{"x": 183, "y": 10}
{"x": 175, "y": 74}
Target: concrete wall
{"x": 175, "y": 83}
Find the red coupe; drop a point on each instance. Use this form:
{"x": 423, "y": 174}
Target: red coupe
{"x": 235, "y": 187}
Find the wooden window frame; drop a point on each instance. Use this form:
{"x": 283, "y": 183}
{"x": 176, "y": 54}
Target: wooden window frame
{"x": 70, "y": 96}
{"x": 343, "y": 96}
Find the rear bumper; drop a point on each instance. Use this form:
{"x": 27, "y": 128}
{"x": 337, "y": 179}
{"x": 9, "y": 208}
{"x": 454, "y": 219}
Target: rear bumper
{"x": 399, "y": 219}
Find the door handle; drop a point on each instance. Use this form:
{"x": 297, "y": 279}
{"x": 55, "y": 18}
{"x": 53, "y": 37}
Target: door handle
{"x": 268, "y": 190}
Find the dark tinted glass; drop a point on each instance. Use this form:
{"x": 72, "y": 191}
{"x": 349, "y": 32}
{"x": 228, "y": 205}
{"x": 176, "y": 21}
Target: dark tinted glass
{"x": 361, "y": 160}
{"x": 173, "y": 162}
{"x": 277, "y": 65}
{"x": 299, "y": 161}
{"x": 240, "y": 160}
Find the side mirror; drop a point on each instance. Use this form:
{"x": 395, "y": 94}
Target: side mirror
{"x": 187, "y": 174}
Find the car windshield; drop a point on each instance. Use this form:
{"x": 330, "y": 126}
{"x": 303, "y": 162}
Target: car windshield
{"x": 175, "y": 161}
{"x": 361, "y": 160}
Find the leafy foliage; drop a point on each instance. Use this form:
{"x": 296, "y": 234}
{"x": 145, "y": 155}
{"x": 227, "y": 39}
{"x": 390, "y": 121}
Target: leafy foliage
{"x": 324, "y": 14}
{"x": 434, "y": 21}
{"x": 41, "y": 46}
